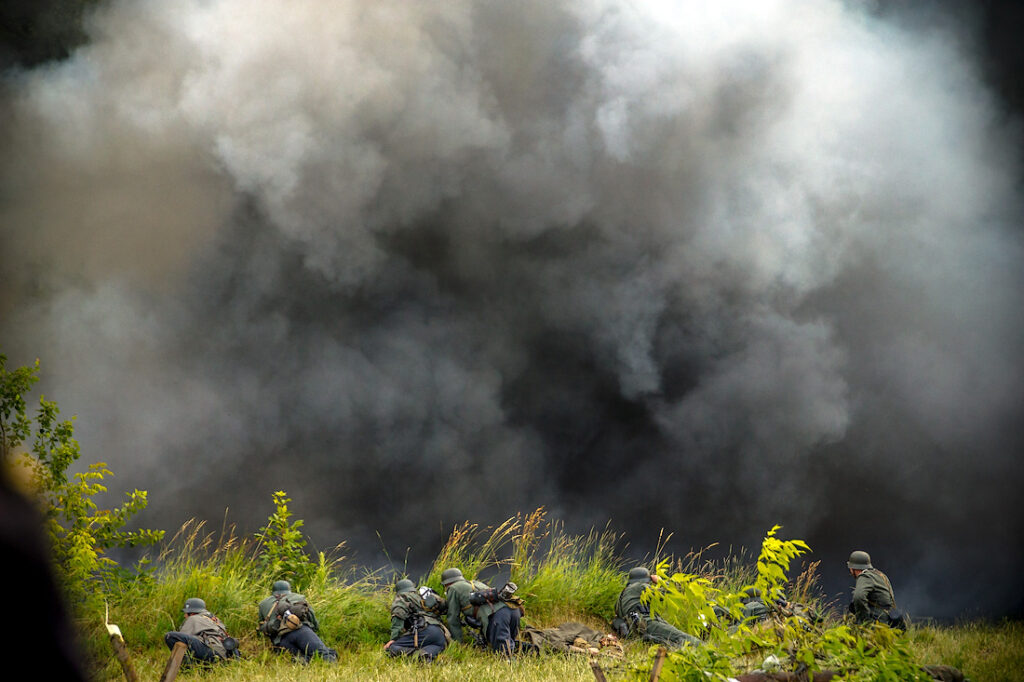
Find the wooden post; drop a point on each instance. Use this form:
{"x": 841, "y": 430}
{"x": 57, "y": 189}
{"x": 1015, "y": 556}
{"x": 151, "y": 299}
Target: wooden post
{"x": 174, "y": 663}
{"x": 121, "y": 650}
{"x": 598, "y": 673}
{"x": 659, "y": 661}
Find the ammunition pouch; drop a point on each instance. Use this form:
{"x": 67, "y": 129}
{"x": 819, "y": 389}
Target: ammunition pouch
{"x": 473, "y": 621}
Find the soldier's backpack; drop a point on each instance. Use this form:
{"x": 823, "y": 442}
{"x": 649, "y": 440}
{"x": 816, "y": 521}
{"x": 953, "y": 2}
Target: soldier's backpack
{"x": 491, "y": 595}
{"x": 482, "y": 595}
{"x": 289, "y": 612}
{"x": 432, "y": 601}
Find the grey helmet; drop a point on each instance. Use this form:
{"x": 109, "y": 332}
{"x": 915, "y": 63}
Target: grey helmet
{"x": 281, "y": 586}
{"x": 451, "y": 575}
{"x": 405, "y": 585}
{"x": 638, "y": 574}
{"x": 859, "y": 560}
{"x": 194, "y": 605}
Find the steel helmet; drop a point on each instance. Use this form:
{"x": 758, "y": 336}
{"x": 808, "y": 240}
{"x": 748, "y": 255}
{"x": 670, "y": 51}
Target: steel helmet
{"x": 859, "y": 560}
{"x": 282, "y": 586}
{"x": 194, "y": 605}
{"x": 405, "y": 585}
{"x": 639, "y": 573}
{"x": 451, "y": 575}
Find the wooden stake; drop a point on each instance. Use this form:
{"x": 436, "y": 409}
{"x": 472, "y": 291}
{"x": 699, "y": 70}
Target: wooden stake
{"x": 659, "y": 661}
{"x": 174, "y": 663}
{"x": 121, "y": 650}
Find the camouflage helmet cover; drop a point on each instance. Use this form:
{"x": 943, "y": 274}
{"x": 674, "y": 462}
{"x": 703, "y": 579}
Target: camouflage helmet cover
{"x": 859, "y": 560}
{"x": 639, "y": 573}
{"x": 281, "y": 586}
{"x": 405, "y": 585}
{"x": 194, "y": 605}
{"x": 451, "y": 575}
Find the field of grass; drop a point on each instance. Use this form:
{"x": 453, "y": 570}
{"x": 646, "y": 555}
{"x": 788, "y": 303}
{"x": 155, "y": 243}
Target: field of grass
{"x": 985, "y": 653}
{"x": 562, "y": 577}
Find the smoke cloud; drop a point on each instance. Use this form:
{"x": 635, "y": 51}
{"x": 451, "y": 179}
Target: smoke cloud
{"x": 679, "y": 267}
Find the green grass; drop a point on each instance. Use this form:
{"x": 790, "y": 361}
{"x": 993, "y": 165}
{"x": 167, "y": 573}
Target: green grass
{"x": 985, "y": 652}
{"x": 562, "y": 577}
{"x": 370, "y": 663}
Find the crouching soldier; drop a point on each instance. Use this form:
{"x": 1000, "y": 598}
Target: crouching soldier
{"x": 873, "y": 599}
{"x": 415, "y": 624}
{"x": 633, "y": 617}
{"x": 496, "y": 614}
{"x": 205, "y": 635}
{"x": 288, "y": 620}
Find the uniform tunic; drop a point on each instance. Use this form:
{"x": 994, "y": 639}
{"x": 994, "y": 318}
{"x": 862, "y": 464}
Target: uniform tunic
{"x": 872, "y": 596}
{"x": 208, "y": 630}
{"x": 203, "y": 634}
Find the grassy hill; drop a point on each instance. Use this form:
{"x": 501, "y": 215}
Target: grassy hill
{"x": 562, "y": 577}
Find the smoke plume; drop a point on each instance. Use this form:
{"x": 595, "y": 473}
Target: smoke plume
{"x": 702, "y": 269}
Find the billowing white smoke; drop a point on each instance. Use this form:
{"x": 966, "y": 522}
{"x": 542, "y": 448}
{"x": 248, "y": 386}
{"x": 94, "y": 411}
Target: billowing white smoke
{"x": 679, "y": 264}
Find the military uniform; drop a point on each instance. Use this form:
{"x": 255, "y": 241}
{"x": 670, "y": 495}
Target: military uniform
{"x": 204, "y": 634}
{"x": 303, "y": 641}
{"x": 872, "y": 596}
{"x": 637, "y": 615}
{"x": 414, "y": 629}
{"x": 499, "y": 622}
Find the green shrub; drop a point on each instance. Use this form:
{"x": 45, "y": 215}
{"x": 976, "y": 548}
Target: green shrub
{"x": 80, "y": 533}
{"x": 281, "y": 547}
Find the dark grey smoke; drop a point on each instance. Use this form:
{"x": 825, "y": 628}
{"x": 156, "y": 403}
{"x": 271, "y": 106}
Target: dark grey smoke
{"x": 683, "y": 268}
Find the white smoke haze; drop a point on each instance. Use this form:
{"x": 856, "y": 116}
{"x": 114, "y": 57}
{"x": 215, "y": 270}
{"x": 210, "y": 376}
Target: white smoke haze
{"x": 703, "y": 267}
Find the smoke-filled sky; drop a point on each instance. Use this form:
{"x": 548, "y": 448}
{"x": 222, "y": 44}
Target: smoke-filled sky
{"x": 700, "y": 267}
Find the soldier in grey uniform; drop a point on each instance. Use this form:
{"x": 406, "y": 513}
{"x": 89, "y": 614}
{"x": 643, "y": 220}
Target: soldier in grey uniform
{"x": 205, "y": 635}
{"x": 498, "y": 622}
{"x": 873, "y": 599}
{"x": 637, "y": 615}
{"x": 415, "y": 628}
{"x": 288, "y": 620}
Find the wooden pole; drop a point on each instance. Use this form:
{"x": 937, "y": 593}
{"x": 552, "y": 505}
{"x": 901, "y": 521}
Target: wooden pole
{"x": 659, "y": 661}
{"x": 598, "y": 673}
{"x": 174, "y": 663}
{"x": 121, "y": 650}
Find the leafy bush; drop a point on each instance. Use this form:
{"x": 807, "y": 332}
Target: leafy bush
{"x": 281, "y": 547}
{"x": 80, "y": 532}
{"x": 790, "y": 640}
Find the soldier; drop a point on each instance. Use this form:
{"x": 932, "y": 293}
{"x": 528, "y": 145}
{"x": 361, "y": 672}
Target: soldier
{"x": 416, "y": 626}
{"x": 498, "y": 622}
{"x": 205, "y": 635}
{"x": 288, "y": 620}
{"x": 873, "y": 598}
{"x": 636, "y": 616}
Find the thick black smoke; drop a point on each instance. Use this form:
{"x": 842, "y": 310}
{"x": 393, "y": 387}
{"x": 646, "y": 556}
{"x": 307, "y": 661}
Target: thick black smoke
{"x": 698, "y": 269}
